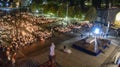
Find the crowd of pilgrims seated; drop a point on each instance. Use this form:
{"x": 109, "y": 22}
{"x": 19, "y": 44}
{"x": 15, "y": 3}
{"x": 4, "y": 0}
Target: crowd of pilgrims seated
{"x": 72, "y": 26}
{"x": 20, "y": 30}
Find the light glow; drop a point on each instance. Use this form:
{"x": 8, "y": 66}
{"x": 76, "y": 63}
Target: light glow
{"x": 7, "y": 4}
{"x": 37, "y": 11}
{"x": 97, "y": 31}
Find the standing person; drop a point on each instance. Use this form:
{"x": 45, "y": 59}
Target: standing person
{"x": 52, "y": 49}
{"x": 116, "y": 57}
{"x": 118, "y": 61}
{"x": 52, "y": 55}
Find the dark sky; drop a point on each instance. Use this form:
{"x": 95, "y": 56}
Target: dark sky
{"x": 7, "y": 0}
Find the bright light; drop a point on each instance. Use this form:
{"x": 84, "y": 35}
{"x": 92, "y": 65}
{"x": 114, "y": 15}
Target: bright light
{"x": 37, "y": 11}
{"x": 50, "y": 13}
{"x": 66, "y": 18}
{"x": 7, "y": 4}
{"x": 30, "y": 1}
{"x": 97, "y": 31}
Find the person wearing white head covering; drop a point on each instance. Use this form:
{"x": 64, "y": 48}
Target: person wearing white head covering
{"x": 52, "y": 55}
{"x": 116, "y": 58}
{"x": 52, "y": 49}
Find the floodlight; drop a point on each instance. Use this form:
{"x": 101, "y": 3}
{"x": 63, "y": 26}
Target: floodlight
{"x": 37, "y": 11}
{"x": 7, "y": 4}
{"x": 66, "y": 18}
{"x": 97, "y": 31}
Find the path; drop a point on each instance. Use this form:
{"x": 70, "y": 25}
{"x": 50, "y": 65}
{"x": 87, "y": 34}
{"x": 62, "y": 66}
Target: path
{"x": 76, "y": 59}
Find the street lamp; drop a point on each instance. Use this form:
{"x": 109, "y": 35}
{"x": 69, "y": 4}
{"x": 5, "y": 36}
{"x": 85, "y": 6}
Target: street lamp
{"x": 7, "y": 4}
{"x": 37, "y": 11}
{"x": 66, "y": 18}
{"x": 67, "y": 10}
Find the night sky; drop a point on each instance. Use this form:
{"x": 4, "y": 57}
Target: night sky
{"x": 7, "y": 0}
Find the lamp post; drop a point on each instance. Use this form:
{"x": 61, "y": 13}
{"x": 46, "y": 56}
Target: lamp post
{"x": 67, "y": 11}
{"x": 66, "y": 18}
{"x": 107, "y": 29}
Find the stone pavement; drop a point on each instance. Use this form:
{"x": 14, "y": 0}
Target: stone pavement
{"x": 76, "y": 59}
{"x": 114, "y": 40}
{"x": 109, "y": 62}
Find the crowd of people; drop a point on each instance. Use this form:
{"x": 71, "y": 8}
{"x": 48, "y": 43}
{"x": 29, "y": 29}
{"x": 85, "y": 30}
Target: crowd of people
{"x": 23, "y": 29}
{"x": 19, "y": 30}
{"x": 72, "y": 27}
{"x": 62, "y": 29}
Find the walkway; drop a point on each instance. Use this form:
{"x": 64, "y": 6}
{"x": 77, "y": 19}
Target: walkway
{"x": 76, "y": 59}
{"x": 109, "y": 61}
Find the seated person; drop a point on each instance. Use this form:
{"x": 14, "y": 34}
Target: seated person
{"x": 116, "y": 58}
{"x": 66, "y": 50}
{"x": 118, "y": 61}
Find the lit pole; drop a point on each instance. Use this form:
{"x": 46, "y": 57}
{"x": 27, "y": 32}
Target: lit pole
{"x": 66, "y": 18}
{"x": 107, "y": 29}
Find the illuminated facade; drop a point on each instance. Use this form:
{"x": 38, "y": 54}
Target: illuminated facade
{"x": 117, "y": 20}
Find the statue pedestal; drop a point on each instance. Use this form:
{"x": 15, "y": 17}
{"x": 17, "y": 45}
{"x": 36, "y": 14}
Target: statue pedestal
{"x": 88, "y": 48}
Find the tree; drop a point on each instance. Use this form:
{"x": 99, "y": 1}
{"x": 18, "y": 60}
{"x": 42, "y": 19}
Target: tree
{"x": 33, "y": 6}
{"x": 96, "y": 3}
{"x": 62, "y": 10}
{"x": 91, "y": 14}
{"x": 71, "y": 11}
{"x": 53, "y": 8}
{"x": 82, "y": 3}
{"x": 78, "y": 12}
{"x": 107, "y": 3}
